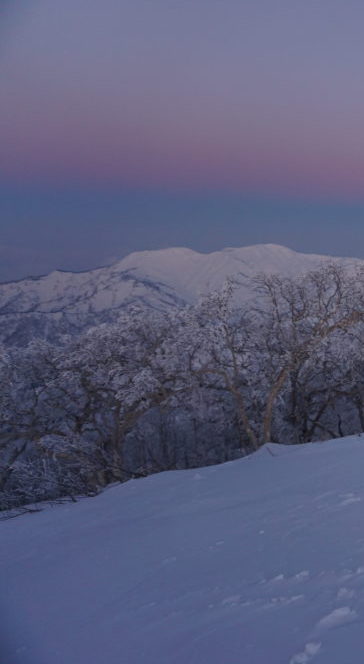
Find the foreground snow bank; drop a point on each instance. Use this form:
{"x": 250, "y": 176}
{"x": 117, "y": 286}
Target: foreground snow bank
{"x": 257, "y": 561}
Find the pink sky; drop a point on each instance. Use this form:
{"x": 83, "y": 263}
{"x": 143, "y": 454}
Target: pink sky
{"x": 236, "y": 95}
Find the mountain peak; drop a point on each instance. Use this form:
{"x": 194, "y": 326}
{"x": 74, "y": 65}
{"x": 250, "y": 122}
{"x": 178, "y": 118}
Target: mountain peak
{"x": 157, "y": 278}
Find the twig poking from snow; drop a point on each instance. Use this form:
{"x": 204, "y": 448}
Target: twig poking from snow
{"x": 19, "y": 512}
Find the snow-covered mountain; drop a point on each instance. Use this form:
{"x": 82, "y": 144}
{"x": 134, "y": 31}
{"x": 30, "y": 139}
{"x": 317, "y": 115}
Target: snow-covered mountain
{"x": 256, "y": 561}
{"x": 63, "y": 302}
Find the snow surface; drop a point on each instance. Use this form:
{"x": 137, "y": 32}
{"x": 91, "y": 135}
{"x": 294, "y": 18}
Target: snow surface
{"x": 256, "y": 561}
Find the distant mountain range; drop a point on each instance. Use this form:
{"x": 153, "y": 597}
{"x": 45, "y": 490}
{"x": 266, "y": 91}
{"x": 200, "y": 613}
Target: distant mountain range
{"x": 69, "y": 302}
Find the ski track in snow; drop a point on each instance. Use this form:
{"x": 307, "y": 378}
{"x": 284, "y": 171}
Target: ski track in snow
{"x": 262, "y": 562}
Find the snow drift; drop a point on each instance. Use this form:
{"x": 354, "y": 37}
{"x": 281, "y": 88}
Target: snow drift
{"x": 256, "y": 561}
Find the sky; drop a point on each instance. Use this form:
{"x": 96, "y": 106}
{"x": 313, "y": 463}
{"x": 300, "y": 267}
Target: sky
{"x": 205, "y": 123}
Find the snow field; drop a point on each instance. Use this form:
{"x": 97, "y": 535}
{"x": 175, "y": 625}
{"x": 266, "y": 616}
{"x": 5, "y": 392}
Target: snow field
{"x": 257, "y": 561}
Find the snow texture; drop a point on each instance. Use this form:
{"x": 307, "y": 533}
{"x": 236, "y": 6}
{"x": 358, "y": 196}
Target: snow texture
{"x": 260, "y": 561}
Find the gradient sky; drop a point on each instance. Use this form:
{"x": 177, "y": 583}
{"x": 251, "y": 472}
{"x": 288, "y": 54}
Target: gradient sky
{"x": 131, "y": 124}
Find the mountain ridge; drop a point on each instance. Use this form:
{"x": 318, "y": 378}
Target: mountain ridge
{"x": 68, "y": 302}
{"x": 177, "y": 249}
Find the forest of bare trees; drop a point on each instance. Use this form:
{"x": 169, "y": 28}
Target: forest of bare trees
{"x": 204, "y": 384}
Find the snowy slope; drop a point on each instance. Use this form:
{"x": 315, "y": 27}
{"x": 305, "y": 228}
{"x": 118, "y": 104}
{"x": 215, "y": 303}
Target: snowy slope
{"x": 191, "y": 273}
{"x": 164, "y": 274}
{"x": 67, "y": 302}
{"x": 257, "y": 561}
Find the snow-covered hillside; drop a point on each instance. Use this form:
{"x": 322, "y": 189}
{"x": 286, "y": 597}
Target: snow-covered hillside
{"x": 257, "y": 561}
{"x": 167, "y": 275}
{"x": 67, "y": 302}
